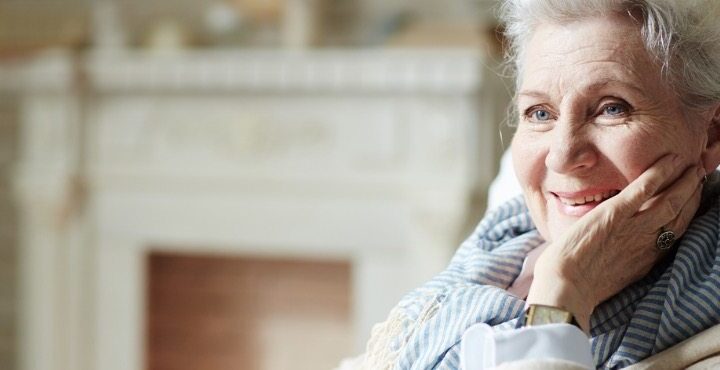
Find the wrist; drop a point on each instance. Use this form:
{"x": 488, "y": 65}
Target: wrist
{"x": 580, "y": 313}
{"x": 561, "y": 293}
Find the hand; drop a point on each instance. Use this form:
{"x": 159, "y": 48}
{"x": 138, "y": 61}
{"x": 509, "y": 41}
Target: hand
{"x": 613, "y": 245}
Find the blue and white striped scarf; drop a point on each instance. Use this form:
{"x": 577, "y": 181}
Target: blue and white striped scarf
{"x": 677, "y": 299}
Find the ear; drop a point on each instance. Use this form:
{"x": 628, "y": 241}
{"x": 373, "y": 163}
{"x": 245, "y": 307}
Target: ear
{"x": 711, "y": 154}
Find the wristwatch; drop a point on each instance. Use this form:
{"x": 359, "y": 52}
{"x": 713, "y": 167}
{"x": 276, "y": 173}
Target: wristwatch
{"x": 538, "y": 314}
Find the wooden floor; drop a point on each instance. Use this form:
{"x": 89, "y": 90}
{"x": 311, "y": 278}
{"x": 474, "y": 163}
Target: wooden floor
{"x": 212, "y": 313}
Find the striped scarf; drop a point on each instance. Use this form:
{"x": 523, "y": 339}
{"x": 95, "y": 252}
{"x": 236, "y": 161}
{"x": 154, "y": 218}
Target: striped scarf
{"x": 675, "y": 300}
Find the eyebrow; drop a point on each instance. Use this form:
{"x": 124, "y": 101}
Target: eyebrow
{"x": 533, "y": 93}
{"x": 594, "y": 86}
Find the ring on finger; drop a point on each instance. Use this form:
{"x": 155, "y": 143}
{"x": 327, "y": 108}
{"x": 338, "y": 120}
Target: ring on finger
{"x": 665, "y": 239}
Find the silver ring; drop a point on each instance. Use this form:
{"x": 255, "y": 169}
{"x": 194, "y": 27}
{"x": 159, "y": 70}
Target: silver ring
{"x": 665, "y": 240}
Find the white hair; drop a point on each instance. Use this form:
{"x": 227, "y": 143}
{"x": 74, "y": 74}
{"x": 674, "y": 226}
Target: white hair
{"x": 683, "y": 35}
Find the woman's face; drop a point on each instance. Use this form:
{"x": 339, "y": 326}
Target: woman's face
{"x": 594, "y": 114}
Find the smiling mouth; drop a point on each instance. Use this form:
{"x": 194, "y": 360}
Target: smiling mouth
{"x": 592, "y": 198}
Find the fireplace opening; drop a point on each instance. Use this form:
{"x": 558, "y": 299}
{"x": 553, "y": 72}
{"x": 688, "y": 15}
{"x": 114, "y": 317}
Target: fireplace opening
{"x": 226, "y": 312}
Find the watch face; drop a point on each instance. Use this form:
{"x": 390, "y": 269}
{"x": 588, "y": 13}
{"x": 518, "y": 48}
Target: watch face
{"x": 541, "y": 315}
{"x": 557, "y": 315}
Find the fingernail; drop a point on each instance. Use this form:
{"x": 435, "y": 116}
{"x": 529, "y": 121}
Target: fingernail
{"x": 701, "y": 173}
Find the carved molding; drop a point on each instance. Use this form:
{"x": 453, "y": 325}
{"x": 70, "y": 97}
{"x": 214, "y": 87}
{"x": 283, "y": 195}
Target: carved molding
{"x": 52, "y": 71}
{"x": 218, "y": 134}
{"x": 429, "y": 71}
{"x": 166, "y": 132}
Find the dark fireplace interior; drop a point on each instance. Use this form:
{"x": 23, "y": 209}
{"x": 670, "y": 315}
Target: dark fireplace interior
{"x": 216, "y": 312}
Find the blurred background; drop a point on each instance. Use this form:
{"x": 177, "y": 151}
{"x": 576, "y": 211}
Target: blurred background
{"x": 234, "y": 184}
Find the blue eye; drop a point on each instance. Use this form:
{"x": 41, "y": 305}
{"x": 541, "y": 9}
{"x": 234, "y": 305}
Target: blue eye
{"x": 541, "y": 115}
{"x": 538, "y": 115}
{"x": 614, "y": 109}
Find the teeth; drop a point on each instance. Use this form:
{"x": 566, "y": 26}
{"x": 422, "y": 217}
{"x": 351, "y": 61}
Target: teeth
{"x": 589, "y": 198}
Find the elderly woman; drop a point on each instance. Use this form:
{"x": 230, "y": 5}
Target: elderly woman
{"x": 616, "y": 240}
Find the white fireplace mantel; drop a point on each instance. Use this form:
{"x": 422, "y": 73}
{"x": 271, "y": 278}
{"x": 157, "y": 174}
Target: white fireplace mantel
{"x": 371, "y": 157}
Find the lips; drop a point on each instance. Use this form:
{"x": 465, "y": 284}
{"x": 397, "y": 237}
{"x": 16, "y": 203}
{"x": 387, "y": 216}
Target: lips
{"x": 576, "y": 199}
{"x": 577, "y": 204}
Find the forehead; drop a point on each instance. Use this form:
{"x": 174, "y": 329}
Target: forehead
{"x": 588, "y": 53}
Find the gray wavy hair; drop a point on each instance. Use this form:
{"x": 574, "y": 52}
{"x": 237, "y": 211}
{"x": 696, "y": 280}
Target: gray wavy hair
{"x": 684, "y": 36}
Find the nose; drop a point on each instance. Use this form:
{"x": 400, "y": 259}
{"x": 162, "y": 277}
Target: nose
{"x": 571, "y": 151}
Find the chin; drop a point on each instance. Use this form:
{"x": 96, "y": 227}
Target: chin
{"x": 556, "y": 225}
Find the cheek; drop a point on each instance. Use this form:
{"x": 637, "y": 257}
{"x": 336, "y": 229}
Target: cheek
{"x": 631, "y": 155}
{"x": 528, "y": 161}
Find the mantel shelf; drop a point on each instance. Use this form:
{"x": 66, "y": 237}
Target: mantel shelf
{"x": 430, "y": 71}
{"x": 414, "y": 71}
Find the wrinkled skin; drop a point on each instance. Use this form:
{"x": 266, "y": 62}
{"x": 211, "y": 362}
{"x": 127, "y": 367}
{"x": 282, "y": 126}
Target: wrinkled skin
{"x": 597, "y": 118}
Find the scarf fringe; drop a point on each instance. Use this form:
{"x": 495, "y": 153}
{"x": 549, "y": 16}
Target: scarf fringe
{"x": 381, "y": 352}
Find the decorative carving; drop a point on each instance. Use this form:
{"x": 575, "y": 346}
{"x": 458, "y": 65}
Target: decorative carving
{"x": 241, "y": 138}
{"x": 177, "y": 133}
{"x": 124, "y": 130}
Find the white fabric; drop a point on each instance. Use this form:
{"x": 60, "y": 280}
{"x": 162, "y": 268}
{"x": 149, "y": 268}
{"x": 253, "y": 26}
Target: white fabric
{"x": 521, "y": 286}
{"x": 482, "y": 348}
{"x": 505, "y": 186}
{"x": 540, "y": 365}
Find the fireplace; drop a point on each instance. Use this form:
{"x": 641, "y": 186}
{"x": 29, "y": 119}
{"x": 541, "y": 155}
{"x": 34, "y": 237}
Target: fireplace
{"x": 361, "y": 164}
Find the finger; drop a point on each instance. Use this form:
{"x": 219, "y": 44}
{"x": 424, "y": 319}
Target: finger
{"x": 673, "y": 202}
{"x": 680, "y": 224}
{"x": 630, "y": 199}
